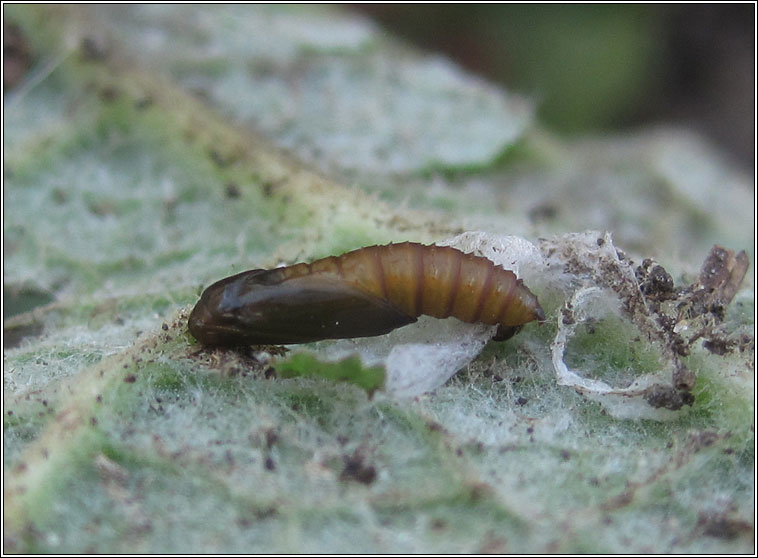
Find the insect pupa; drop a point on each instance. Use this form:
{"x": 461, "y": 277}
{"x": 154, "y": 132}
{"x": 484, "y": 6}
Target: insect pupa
{"x": 366, "y": 292}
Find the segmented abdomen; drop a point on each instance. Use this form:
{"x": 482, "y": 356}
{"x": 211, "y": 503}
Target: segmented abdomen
{"x": 438, "y": 281}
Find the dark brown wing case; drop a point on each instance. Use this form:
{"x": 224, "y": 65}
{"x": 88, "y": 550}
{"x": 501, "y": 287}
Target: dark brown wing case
{"x": 253, "y": 308}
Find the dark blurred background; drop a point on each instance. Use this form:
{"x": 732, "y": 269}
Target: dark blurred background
{"x": 595, "y": 68}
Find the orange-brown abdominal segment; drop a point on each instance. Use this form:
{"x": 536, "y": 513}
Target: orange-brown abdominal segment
{"x": 500, "y": 285}
{"x": 523, "y": 308}
{"x": 473, "y": 276}
{"x": 442, "y": 268}
{"x": 419, "y": 273}
{"x": 355, "y": 268}
{"x": 401, "y": 275}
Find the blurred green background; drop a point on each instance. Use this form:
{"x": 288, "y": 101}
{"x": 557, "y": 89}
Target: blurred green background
{"x": 616, "y": 66}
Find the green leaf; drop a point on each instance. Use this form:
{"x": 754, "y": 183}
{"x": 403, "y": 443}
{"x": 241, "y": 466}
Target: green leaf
{"x": 351, "y": 370}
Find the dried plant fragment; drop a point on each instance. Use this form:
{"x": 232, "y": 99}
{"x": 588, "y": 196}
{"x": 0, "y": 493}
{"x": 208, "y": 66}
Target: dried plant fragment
{"x": 669, "y": 317}
{"x": 720, "y": 279}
